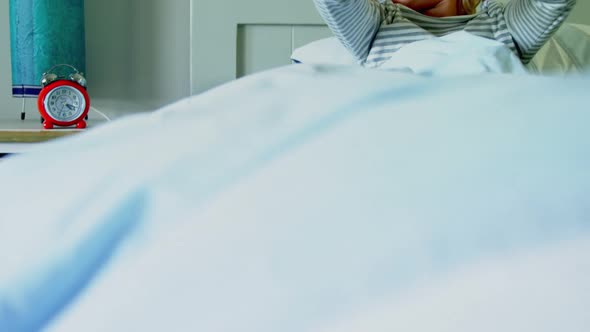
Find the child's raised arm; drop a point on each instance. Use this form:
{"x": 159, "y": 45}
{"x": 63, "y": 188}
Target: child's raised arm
{"x": 532, "y": 22}
{"x": 354, "y": 22}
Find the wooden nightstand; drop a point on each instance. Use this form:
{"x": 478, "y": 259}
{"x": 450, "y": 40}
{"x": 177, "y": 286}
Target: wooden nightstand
{"x": 16, "y": 135}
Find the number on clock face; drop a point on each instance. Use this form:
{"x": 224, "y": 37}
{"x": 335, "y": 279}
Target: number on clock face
{"x": 64, "y": 103}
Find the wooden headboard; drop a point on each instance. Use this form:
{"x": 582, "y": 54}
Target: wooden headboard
{"x": 230, "y": 39}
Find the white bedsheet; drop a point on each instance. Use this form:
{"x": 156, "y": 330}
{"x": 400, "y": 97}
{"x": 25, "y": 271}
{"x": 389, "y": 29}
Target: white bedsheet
{"x": 456, "y": 54}
{"x": 311, "y": 198}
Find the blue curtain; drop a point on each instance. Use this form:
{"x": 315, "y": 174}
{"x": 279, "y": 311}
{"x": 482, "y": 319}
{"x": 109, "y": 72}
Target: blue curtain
{"x": 44, "y": 33}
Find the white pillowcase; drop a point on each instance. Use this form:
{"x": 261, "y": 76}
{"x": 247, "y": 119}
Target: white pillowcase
{"x": 323, "y": 51}
{"x": 455, "y": 54}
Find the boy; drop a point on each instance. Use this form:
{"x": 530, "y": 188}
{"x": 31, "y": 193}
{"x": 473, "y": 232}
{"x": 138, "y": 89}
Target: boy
{"x": 373, "y": 31}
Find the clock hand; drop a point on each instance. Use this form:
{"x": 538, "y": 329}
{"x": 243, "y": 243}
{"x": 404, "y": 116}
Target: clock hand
{"x": 71, "y": 107}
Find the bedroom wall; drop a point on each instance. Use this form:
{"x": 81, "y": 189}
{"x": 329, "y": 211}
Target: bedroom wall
{"x": 137, "y": 55}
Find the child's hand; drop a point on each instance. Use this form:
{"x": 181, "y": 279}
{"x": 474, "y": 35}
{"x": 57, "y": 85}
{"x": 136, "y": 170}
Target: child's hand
{"x": 436, "y": 8}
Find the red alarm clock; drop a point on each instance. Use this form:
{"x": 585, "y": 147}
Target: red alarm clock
{"x": 63, "y": 101}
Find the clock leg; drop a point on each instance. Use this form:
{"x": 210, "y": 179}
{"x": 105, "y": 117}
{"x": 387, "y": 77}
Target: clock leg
{"x": 81, "y": 124}
{"x": 47, "y": 125}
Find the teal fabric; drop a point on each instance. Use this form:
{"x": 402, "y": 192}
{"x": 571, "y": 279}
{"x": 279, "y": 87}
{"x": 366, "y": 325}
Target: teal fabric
{"x": 44, "y": 33}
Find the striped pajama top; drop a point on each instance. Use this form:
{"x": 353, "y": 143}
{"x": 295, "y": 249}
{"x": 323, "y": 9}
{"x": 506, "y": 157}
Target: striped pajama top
{"x": 373, "y": 31}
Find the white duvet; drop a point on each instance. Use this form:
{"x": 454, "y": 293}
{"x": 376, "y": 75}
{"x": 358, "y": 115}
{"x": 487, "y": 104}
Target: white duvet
{"x": 456, "y": 54}
{"x": 311, "y": 198}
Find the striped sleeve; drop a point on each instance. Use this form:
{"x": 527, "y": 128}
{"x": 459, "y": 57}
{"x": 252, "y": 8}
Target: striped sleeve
{"x": 354, "y": 22}
{"x": 532, "y": 22}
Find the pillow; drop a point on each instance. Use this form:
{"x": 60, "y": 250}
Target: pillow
{"x": 323, "y": 51}
{"x": 568, "y": 51}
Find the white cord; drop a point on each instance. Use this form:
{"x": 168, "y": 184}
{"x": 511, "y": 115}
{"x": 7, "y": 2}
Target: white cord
{"x": 191, "y": 68}
{"x": 101, "y": 113}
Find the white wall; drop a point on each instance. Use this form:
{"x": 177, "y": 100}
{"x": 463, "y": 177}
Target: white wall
{"x": 137, "y": 55}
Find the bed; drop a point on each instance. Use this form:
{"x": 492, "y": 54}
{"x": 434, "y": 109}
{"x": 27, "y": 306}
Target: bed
{"x": 311, "y": 197}
{"x": 247, "y": 208}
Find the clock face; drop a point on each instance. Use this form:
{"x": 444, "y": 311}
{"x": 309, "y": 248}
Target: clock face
{"x": 64, "y": 103}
